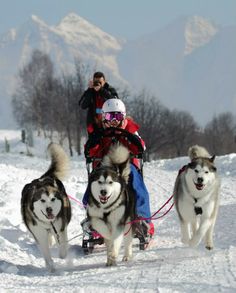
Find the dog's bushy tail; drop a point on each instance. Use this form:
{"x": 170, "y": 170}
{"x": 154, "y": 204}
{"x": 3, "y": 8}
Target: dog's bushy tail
{"x": 197, "y": 151}
{"x": 118, "y": 156}
{"x": 59, "y": 162}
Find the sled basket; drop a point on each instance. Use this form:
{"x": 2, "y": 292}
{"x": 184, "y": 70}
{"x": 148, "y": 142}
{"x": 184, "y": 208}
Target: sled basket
{"x": 115, "y": 134}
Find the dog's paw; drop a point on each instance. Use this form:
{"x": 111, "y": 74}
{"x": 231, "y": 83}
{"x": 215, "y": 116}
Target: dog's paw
{"x": 209, "y": 244}
{"x": 194, "y": 242}
{"x": 209, "y": 247}
{"x": 51, "y": 268}
{"x": 111, "y": 262}
{"x": 126, "y": 258}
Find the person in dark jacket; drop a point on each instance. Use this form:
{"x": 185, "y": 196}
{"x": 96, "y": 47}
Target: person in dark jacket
{"x": 93, "y": 98}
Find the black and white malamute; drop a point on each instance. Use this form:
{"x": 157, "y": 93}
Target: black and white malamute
{"x": 111, "y": 202}
{"x": 196, "y": 194}
{"x": 45, "y": 207}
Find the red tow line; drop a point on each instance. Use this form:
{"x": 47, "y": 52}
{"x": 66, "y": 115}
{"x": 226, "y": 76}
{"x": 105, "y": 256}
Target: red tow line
{"x": 141, "y": 218}
{"x": 153, "y": 216}
{"x": 76, "y": 200}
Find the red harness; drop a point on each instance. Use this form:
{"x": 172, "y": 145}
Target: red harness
{"x": 183, "y": 169}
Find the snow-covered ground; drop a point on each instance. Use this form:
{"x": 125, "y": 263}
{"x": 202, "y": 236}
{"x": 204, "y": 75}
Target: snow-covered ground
{"x": 167, "y": 266}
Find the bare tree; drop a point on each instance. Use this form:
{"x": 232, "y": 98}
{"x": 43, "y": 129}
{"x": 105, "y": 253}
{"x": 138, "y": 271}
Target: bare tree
{"x": 182, "y": 131}
{"x": 81, "y": 77}
{"x": 220, "y": 134}
{"x": 71, "y": 122}
{"x": 30, "y": 101}
{"x": 150, "y": 114}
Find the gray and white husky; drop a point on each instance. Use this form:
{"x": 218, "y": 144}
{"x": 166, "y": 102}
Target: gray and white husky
{"x": 196, "y": 194}
{"x": 111, "y": 202}
{"x": 45, "y": 207}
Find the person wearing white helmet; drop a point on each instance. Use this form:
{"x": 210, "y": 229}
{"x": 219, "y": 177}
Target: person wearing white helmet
{"x": 114, "y": 115}
{"x": 113, "y": 105}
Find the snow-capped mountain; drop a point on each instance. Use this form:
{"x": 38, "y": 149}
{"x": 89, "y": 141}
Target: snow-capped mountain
{"x": 189, "y": 64}
{"x": 72, "y": 38}
{"x": 89, "y": 43}
{"x": 198, "y": 32}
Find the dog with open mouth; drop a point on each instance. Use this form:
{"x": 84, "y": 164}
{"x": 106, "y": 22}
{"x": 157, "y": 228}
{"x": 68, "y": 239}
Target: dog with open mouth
{"x": 45, "y": 207}
{"x": 196, "y": 194}
{"x": 111, "y": 202}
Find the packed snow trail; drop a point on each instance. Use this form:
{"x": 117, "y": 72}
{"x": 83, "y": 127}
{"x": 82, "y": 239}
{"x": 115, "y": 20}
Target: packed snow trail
{"x": 167, "y": 266}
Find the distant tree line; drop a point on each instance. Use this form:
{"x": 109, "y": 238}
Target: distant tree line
{"x": 49, "y": 104}
{"x": 169, "y": 133}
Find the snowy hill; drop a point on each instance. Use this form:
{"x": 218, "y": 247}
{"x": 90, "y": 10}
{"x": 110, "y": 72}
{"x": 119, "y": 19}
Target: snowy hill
{"x": 167, "y": 266}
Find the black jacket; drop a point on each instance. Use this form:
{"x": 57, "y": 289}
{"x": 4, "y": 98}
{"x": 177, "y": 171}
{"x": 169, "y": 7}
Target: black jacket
{"x": 87, "y": 101}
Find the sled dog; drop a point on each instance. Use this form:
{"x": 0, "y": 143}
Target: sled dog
{"x": 45, "y": 207}
{"x": 111, "y": 202}
{"x": 196, "y": 194}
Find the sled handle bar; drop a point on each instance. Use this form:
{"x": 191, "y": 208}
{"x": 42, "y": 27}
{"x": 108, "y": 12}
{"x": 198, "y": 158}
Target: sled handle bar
{"x": 96, "y": 159}
{"x": 119, "y": 132}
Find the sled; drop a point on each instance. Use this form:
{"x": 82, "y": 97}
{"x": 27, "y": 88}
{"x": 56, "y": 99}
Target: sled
{"x": 92, "y": 238}
{"x": 89, "y": 243}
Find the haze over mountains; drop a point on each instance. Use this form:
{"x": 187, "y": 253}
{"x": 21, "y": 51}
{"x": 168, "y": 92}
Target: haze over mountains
{"x": 188, "y": 65}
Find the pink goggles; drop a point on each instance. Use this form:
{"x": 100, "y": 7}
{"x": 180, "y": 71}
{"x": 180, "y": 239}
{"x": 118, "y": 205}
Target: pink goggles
{"x": 114, "y": 116}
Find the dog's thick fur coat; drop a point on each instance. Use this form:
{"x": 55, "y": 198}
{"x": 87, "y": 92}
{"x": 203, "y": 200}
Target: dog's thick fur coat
{"x": 196, "y": 194}
{"x": 111, "y": 202}
{"x": 45, "y": 207}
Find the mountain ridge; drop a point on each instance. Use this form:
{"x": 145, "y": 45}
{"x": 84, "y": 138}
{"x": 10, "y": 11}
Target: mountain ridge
{"x": 169, "y": 61}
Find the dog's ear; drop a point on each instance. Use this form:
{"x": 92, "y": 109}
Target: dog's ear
{"x": 192, "y": 164}
{"x": 65, "y": 212}
{"x": 27, "y": 195}
{"x": 212, "y": 159}
{"x": 28, "y": 190}
{"x": 60, "y": 186}
{"x": 214, "y": 168}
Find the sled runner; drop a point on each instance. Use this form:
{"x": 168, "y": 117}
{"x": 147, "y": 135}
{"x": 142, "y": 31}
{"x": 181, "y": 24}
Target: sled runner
{"x": 91, "y": 237}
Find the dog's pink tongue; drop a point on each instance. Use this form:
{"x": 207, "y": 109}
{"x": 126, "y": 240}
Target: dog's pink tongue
{"x": 50, "y": 216}
{"x": 103, "y": 199}
{"x": 199, "y": 186}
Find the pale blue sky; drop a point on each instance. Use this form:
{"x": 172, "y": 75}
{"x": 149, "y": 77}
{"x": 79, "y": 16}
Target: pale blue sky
{"x": 123, "y": 18}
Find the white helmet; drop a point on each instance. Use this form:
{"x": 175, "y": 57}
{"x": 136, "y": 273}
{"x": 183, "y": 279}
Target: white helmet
{"x": 114, "y": 105}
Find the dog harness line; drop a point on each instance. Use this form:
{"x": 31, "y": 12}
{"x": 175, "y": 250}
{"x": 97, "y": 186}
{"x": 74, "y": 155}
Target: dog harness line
{"x": 55, "y": 231}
